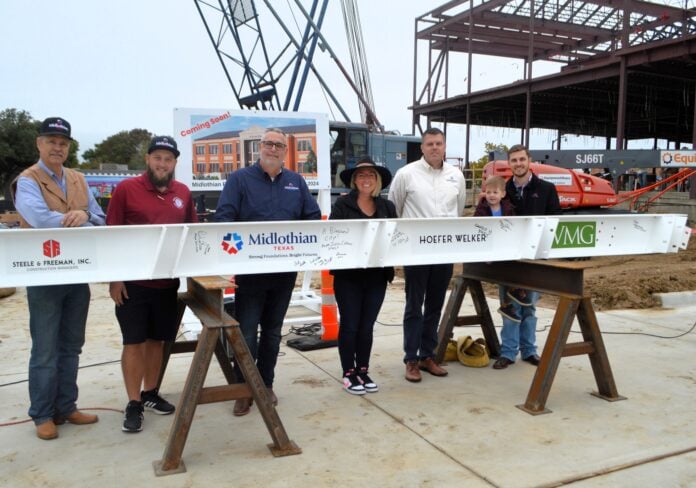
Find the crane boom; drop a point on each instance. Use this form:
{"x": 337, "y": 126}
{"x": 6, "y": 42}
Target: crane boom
{"x": 273, "y": 76}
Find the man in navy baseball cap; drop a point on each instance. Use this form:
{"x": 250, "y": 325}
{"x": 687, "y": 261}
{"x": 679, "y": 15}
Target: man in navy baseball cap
{"x": 163, "y": 142}
{"x": 55, "y": 126}
{"x": 146, "y": 309}
{"x": 49, "y": 195}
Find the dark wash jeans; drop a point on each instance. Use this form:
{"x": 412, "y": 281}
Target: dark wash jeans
{"x": 261, "y": 301}
{"x": 426, "y": 287}
{"x": 358, "y": 303}
{"x": 57, "y": 320}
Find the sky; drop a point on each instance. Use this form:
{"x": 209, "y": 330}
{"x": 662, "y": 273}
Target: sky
{"x": 113, "y": 66}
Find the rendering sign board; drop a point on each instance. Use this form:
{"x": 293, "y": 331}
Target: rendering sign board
{"x": 216, "y": 142}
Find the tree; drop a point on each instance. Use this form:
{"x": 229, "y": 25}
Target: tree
{"x": 310, "y": 165}
{"x": 489, "y": 148}
{"x": 476, "y": 167}
{"x": 18, "y": 133}
{"x": 125, "y": 147}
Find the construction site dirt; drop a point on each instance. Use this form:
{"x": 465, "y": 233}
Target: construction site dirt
{"x": 620, "y": 282}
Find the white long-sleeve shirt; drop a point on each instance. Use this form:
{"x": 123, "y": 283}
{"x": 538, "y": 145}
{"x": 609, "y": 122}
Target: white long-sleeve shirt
{"x": 419, "y": 191}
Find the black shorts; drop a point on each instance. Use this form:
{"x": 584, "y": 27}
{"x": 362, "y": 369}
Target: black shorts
{"x": 149, "y": 313}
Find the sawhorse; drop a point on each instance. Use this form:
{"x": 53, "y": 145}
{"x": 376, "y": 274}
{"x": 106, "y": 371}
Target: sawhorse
{"x": 205, "y": 298}
{"x": 564, "y": 280}
{"x": 178, "y": 347}
{"x": 451, "y": 318}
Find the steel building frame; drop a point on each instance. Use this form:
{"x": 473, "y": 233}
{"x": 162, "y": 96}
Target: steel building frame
{"x": 629, "y": 67}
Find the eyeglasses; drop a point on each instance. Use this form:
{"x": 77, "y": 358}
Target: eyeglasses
{"x": 270, "y": 145}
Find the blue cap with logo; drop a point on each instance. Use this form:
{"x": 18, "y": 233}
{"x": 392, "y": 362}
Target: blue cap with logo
{"x": 163, "y": 142}
{"x": 55, "y": 126}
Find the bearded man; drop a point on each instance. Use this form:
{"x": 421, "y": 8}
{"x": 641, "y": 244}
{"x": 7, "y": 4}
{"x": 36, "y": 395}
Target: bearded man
{"x": 147, "y": 310}
{"x": 529, "y": 195}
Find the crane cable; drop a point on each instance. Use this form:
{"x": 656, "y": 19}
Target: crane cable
{"x": 356, "y": 46}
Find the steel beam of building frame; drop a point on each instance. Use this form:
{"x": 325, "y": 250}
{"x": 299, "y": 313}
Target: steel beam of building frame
{"x": 498, "y": 27}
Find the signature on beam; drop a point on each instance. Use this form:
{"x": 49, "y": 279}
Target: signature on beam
{"x": 482, "y": 229}
{"x": 201, "y": 245}
{"x": 399, "y": 238}
{"x": 639, "y": 227}
{"x": 331, "y": 230}
{"x": 320, "y": 261}
{"x": 333, "y": 246}
{"x": 505, "y": 225}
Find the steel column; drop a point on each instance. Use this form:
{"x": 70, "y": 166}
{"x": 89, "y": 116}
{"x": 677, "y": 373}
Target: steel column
{"x": 469, "y": 63}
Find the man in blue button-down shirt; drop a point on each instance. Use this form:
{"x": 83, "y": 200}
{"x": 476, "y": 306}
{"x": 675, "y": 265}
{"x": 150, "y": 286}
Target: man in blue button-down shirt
{"x": 265, "y": 191}
{"x": 48, "y": 195}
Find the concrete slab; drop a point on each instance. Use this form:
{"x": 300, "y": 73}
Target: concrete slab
{"x": 677, "y": 299}
{"x": 462, "y": 430}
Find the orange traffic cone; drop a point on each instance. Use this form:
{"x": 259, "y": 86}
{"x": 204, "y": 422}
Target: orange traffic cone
{"x": 329, "y": 309}
{"x": 230, "y": 291}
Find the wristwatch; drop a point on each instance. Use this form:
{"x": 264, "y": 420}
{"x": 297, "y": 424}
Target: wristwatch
{"x": 89, "y": 215}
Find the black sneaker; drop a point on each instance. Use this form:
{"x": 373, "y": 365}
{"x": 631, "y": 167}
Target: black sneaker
{"x": 352, "y": 384}
{"x": 508, "y": 311}
{"x": 520, "y": 296}
{"x": 133, "y": 418}
{"x": 155, "y": 403}
{"x": 369, "y": 385}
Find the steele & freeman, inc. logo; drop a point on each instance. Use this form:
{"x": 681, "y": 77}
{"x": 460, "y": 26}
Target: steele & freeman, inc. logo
{"x": 51, "y": 248}
{"x": 54, "y": 257}
{"x": 232, "y": 243}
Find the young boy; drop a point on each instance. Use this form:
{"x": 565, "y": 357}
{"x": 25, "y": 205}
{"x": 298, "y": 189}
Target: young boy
{"x": 494, "y": 205}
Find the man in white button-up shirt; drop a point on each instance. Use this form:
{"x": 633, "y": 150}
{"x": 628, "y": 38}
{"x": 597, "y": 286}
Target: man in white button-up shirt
{"x": 424, "y": 189}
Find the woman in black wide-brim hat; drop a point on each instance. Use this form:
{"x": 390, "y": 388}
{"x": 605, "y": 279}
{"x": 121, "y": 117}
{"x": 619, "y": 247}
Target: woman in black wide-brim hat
{"x": 360, "y": 292}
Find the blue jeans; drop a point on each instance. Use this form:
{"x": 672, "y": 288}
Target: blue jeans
{"x": 57, "y": 320}
{"x": 426, "y": 287}
{"x": 358, "y": 303}
{"x": 519, "y": 337}
{"x": 262, "y": 300}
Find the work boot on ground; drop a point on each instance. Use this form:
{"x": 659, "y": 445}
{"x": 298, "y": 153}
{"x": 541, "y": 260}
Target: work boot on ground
{"x": 412, "y": 373}
{"x": 273, "y": 397}
{"x": 46, "y": 430}
{"x": 242, "y": 407}
{"x": 432, "y": 367}
{"x": 77, "y": 418}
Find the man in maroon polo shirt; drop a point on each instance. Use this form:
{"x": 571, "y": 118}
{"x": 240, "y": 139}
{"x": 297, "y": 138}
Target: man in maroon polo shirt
{"x": 146, "y": 310}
